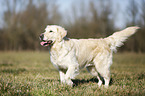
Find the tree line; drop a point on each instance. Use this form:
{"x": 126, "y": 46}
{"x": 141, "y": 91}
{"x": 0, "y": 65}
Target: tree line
{"x": 23, "y": 21}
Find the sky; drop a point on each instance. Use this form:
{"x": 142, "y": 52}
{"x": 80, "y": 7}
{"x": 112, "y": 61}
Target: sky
{"x": 65, "y": 6}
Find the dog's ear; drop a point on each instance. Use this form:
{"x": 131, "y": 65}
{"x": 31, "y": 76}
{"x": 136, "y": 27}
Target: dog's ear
{"x": 62, "y": 33}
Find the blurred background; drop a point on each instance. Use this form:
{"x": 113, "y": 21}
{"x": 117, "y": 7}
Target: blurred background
{"x": 21, "y": 21}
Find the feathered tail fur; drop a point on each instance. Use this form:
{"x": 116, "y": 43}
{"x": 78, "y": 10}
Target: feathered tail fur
{"x": 117, "y": 39}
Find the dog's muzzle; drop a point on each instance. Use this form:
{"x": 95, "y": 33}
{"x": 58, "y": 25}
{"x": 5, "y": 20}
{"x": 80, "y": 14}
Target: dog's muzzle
{"x": 44, "y": 42}
{"x": 41, "y": 37}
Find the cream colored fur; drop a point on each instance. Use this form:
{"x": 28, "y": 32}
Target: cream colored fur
{"x": 71, "y": 55}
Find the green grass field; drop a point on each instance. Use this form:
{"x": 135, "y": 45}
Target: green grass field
{"x": 31, "y": 73}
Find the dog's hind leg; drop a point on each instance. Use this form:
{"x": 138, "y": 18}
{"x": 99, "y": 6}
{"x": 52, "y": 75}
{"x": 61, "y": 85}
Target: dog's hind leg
{"x": 105, "y": 73}
{"x": 107, "y": 80}
{"x": 102, "y": 64}
{"x": 92, "y": 71}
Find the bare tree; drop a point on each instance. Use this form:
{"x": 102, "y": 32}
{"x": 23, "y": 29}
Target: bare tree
{"x": 23, "y": 26}
{"x": 142, "y": 13}
{"x": 133, "y": 8}
{"x": 10, "y": 22}
{"x": 91, "y": 23}
{"x": 141, "y": 33}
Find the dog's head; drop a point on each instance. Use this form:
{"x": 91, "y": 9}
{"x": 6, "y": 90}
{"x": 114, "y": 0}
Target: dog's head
{"x": 52, "y": 34}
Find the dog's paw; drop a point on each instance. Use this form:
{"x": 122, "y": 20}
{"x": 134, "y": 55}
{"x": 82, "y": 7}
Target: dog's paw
{"x": 69, "y": 82}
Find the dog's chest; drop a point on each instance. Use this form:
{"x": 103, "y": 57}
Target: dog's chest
{"x": 59, "y": 59}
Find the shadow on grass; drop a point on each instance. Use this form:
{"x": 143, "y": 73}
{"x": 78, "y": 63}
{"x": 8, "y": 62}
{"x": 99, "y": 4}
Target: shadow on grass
{"x": 141, "y": 76}
{"x": 92, "y": 80}
{"x": 6, "y": 64}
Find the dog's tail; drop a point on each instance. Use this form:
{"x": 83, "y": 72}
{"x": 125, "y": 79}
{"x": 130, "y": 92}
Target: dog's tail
{"x": 117, "y": 39}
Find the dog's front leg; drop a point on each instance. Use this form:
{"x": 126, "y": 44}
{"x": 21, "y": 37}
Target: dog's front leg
{"x": 62, "y": 76}
{"x": 70, "y": 74}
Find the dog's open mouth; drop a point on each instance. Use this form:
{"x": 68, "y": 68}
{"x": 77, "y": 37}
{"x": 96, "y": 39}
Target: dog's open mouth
{"x": 46, "y": 43}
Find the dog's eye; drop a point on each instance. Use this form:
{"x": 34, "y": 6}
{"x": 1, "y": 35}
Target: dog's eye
{"x": 50, "y": 31}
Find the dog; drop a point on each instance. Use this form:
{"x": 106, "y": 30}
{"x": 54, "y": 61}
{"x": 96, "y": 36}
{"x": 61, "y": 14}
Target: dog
{"x": 71, "y": 55}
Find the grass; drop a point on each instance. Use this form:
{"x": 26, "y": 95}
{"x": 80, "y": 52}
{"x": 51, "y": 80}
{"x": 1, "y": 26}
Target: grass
{"x": 31, "y": 73}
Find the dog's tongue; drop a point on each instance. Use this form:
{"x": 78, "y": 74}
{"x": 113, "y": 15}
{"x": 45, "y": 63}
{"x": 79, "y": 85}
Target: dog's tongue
{"x": 42, "y": 43}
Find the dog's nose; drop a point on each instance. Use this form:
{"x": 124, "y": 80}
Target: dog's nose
{"x": 41, "y": 36}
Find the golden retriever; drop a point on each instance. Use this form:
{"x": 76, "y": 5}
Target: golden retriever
{"x": 71, "y": 55}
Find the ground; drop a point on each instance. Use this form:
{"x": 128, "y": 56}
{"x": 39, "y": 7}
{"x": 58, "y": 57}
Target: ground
{"x": 31, "y": 73}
